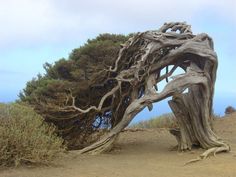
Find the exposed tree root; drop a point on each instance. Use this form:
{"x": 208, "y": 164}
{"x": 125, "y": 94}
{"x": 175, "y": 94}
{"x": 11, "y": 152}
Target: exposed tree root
{"x": 211, "y": 151}
{"x": 104, "y": 145}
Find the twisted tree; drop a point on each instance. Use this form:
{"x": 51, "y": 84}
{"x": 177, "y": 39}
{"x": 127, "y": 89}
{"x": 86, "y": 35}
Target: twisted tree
{"x": 119, "y": 90}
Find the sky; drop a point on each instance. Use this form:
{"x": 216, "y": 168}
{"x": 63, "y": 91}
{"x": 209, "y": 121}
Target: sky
{"x": 33, "y": 32}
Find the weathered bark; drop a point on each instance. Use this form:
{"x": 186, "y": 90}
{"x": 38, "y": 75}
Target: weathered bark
{"x": 138, "y": 72}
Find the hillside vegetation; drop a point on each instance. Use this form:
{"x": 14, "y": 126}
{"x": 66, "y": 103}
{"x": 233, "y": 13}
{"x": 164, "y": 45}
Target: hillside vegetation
{"x": 25, "y": 138}
{"x": 163, "y": 121}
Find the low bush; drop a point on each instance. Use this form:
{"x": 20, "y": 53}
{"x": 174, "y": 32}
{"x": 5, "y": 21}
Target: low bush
{"x": 230, "y": 110}
{"x": 25, "y": 137}
{"x": 163, "y": 121}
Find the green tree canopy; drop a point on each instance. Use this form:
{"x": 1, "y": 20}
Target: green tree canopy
{"x": 82, "y": 75}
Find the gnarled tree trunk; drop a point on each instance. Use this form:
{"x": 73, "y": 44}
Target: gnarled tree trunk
{"x": 137, "y": 73}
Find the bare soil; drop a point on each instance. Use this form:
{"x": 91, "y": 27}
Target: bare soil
{"x": 143, "y": 154}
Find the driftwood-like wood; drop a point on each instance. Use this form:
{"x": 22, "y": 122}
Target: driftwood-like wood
{"x": 138, "y": 71}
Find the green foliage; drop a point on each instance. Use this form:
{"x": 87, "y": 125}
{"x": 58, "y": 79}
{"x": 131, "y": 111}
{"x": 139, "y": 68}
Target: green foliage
{"x": 25, "y": 138}
{"x": 83, "y": 65}
{"x": 79, "y": 75}
{"x": 163, "y": 121}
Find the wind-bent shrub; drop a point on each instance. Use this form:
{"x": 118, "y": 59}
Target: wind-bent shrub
{"x": 25, "y": 138}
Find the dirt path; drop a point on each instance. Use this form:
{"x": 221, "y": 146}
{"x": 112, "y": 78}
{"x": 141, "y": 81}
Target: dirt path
{"x": 143, "y": 154}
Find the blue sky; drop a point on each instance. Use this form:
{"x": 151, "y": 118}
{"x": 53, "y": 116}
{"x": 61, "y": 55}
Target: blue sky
{"x": 34, "y": 32}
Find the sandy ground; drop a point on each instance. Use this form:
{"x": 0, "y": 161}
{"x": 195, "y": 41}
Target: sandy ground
{"x": 143, "y": 154}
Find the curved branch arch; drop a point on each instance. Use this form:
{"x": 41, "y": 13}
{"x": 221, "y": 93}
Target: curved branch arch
{"x": 137, "y": 72}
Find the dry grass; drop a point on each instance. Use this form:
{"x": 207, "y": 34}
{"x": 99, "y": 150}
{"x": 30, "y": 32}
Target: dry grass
{"x": 163, "y": 121}
{"x": 25, "y": 138}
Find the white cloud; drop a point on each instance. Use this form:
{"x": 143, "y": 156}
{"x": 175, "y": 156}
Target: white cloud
{"x": 35, "y": 21}
{"x": 49, "y": 24}
{"x": 31, "y": 21}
